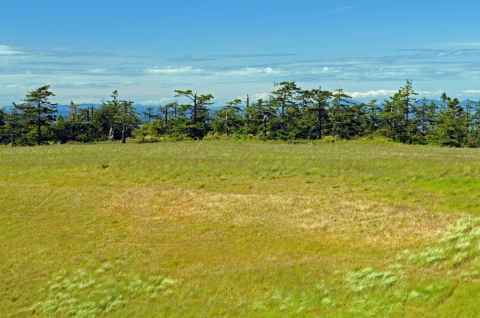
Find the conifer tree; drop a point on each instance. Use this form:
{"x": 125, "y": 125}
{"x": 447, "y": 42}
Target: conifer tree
{"x": 196, "y": 113}
{"x": 37, "y": 111}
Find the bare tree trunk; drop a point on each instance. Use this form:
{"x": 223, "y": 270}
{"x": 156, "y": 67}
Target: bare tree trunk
{"x": 124, "y": 128}
{"x": 265, "y": 125}
{"x": 166, "y": 116}
{"x": 226, "y": 124}
{"x": 39, "y": 130}
{"x": 12, "y": 127}
{"x": 319, "y": 124}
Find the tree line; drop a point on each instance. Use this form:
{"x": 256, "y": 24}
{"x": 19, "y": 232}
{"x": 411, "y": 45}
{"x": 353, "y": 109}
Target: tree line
{"x": 289, "y": 113}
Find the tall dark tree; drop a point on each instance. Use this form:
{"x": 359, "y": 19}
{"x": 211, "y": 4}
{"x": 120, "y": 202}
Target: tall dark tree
{"x": 452, "y": 125}
{"x": 196, "y": 112}
{"x": 425, "y": 117}
{"x": 474, "y": 126}
{"x": 372, "y": 111}
{"x": 260, "y": 116}
{"x": 74, "y": 126}
{"x": 314, "y": 104}
{"x": 129, "y": 119}
{"x": 4, "y": 129}
{"x": 38, "y": 111}
{"x": 12, "y": 123}
{"x": 285, "y": 99}
{"x": 444, "y": 98}
{"x": 117, "y": 115}
{"x": 169, "y": 111}
{"x": 229, "y": 118}
{"x": 149, "y": 113}
{"x": 339, "y": 115}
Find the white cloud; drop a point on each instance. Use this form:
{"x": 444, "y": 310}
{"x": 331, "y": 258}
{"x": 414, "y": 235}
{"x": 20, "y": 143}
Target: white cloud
{"x": 156, "y": 102}
{"x": 471, "y": 91}
{"x": 260, "y": 96}
{"x": 13, "y": 86}
{"x": 78, "y": 100}
{"x": 248, "y": 71}
{"x": 381, "y": 92}
{"x": 7, "y": 50}
{"x": 464, "y": 44}
{"x": 172, "y": 70}
{"x": 97, "y": 70}
{"x": 429, "y": 93}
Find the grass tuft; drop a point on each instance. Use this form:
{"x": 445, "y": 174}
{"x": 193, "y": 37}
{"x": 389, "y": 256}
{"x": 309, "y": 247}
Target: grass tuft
{"x": 457, "y": 245}
{"x": 83, "y": 294}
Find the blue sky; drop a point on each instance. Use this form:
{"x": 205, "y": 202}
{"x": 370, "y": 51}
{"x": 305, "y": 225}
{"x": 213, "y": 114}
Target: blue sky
{"x": 145, "y": 49}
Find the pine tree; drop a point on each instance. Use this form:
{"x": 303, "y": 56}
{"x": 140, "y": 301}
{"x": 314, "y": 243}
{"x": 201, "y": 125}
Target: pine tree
{"x": 339, "y": 114}
{"x": 452, "y": 127}
{"x": 196, "y": 111}
{"x": 37, "y": 111}
{"x": 285, "y": 100}
{"x": 229, "y": 118}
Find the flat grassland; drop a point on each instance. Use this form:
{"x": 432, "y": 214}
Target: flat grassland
{"x": 252, "y": 229}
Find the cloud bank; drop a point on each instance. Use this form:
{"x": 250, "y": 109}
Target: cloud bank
{"x": 365, "y": 77}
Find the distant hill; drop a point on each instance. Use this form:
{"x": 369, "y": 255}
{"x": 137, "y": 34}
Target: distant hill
{"x": 63, "y": 109}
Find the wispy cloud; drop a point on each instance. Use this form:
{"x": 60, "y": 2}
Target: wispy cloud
{"x": 156, "y": 102}
{"x": 372, "y": 94}
{"x": 343, "y": 9}
{"x": 473, "y": 44}
{"x": 172, "y": 70}
{"x": 97, "y": 71}
{"x": 205, "y": 57}
{"x": 471, "y": 91}
{"x": 377, "y": 75}
{"x": 384, "y": 93}
{"x": 247, "y": 71}
{"x": 8, "y": 50}
{"x": 260, "y": 96}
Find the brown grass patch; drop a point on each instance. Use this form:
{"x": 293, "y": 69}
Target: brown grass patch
{"x": 176, "y": 217}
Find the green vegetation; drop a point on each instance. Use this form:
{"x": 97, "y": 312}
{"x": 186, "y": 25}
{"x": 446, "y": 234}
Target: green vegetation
{"x": 289, "y": 113}
{"x": 240, "y": 228}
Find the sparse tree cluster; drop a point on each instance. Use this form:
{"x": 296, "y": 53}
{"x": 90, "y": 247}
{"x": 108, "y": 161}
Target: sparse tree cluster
{"x": 289, "y": 113}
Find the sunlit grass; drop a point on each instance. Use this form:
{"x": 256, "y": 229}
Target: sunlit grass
{"x": 243, "y": 228}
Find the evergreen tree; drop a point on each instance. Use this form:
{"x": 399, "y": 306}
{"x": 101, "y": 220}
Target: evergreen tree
{"x": 73, "y": 128}
{"x": 117, "y": 115}
{"x": 12, "y": 124}
{"x": 314, "y": 106}
{"x": 452, "y": 125}
{"x": 260, "y": 116}
{"x": 284, "y": 126}
{"x": 195, "y": 113}
{"x": 37, "y": 114}
{"x": 372, "y": 111}
{"x": 229, "y": 118}
{"x": 167, "y": 113}
{"x": 340, "y": 115}
{"x": 128, "y": 118}
{"x": 474, "y": 126}
{"x": 4, "y": 131}
{"x": 149, "y": 113}
{"x": 425, "y": 117}
{"x": 409, "y": 127}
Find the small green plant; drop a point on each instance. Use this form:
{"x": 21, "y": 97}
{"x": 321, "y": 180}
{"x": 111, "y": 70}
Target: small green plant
{"x": 369, "y": 279}
{"x": 457, "y": 245}
{"x": 85, "y": 294}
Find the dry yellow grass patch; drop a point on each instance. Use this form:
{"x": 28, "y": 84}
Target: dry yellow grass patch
{"x": 197, "y": 227}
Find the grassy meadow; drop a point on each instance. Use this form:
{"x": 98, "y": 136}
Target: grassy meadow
{"x": 229, "y": 229}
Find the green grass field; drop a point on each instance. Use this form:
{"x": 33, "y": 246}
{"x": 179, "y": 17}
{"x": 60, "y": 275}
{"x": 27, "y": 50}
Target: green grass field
{"x": 250, "y": 229}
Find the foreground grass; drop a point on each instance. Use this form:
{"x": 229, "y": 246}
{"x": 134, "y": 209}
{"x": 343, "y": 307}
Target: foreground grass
{"x": 239, "y": 229}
